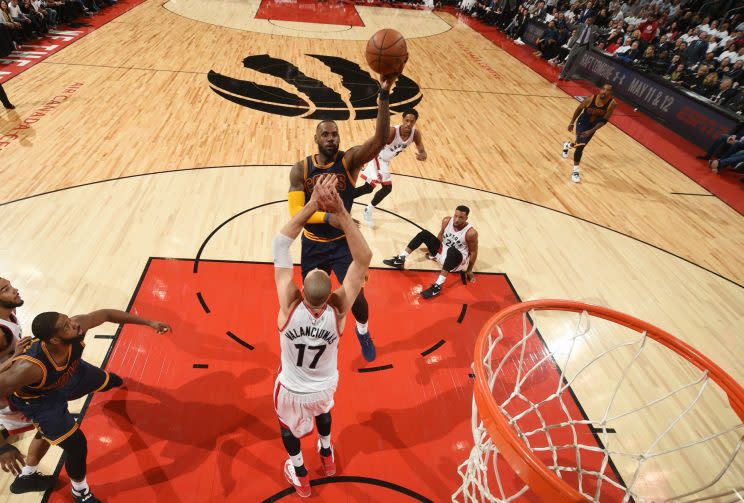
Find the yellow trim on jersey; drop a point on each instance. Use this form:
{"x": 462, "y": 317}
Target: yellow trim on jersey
{"x": 51, "y": 359}
{"x": 312, "y": 237}
{"x": 63, "y": 437}
{"x": 346, "y": 168}
{"x": 323, "y": 166}
{"x": 104, "y": 382}
{"x": 40, "y": 364}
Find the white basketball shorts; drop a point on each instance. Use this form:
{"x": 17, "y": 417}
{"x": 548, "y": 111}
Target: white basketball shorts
{"x": 377, "y": 171}
{"x": 297, "y": 411}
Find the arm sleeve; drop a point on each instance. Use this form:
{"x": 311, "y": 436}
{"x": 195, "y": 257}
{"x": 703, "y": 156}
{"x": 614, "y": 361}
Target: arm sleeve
{"x": 296, "y": 199}
{"x": 280, "y": 249}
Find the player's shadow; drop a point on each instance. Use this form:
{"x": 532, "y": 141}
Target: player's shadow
{"x": 400, "y": 430}
{"x": 193, "y": 430}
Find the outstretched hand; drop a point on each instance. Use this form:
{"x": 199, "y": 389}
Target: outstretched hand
{"x": 324, "y": 192}
{"x": 387, "y": 81}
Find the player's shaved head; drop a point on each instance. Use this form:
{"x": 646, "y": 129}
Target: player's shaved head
{"x": 316, "y": 287}
{"x": 325, "y": 123}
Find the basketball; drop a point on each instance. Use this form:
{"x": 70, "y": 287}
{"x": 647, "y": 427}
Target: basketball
{"x": 387, "y": 52}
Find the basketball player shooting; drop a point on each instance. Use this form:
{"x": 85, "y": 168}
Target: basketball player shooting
{"x": 323, "y": 245}
{"x": 310, "y": 326}
{"x": 377, "y": 170}
{"x": 592, "y": 114}
{"x": 456, "y": 248}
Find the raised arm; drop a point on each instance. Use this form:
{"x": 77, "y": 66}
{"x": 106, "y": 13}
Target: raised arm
{"x": 286, "y": 289}
{"x": 96, "y": 318}
{"x": 296, "y": 195}
{"x": 358, "y": 156}
{"x": 419, "y": 141}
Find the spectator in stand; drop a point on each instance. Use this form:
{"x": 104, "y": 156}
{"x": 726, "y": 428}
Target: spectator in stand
{"x": 516, "y": 28}
{"x": 737, "y": 72}
{"x": 50, "y": 15}
{"x": 547, "y": 44}
{"x": 724, "y": 146}
{"x": 15, "y": 13}
{"x": 603, "y": 18}
{"x": 649, "y": 29}
{"x": 710, "y": 61}
{"x": 615, "y": 38}
{"x": 665, "y": 44}
{"x": 695, "y": 80}
{"x": 697, "y": 49}
{"x": 725, "y": 93}
{"x": 676, "y": 60}
{"x": 691, "y": 35}
{"x": 587, "y": 12}
{"x": 631, "y": 55}
{"x": 729, "y": 52}
{"x": 538, "y": 11}
{"x": 646, "y": 61}
{"x": 15, "y": 29}
{"x": 680, "y": 49}
{"x": 678, "y": 75}
{"x": 709, "y": 86}
{"x": 38, "y": 22}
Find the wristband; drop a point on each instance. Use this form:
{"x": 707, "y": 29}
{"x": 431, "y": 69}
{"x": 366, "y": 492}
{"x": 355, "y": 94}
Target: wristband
{"x": 384, "y": 95}
{"x": 327, "y": 218}
{"x": 7, "y": 447}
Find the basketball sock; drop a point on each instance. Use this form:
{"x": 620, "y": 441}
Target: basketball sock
{"x": 362, "y": 327}
{"x": 28, "y": 470}
{"x": 403, "y": 254}
{"x": 370, "y": 207}
{"x": 325, "y": 445}
{"x": 299, "y": 465}
{"x": 440, "y": 279}
{"x": 576, "y": 168}
{"x": 81, "y": 487}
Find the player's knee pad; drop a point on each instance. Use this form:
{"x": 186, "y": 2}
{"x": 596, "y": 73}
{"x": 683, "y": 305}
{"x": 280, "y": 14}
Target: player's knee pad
{"x": 114, "y": 382}
{"x": 323, "y": 419}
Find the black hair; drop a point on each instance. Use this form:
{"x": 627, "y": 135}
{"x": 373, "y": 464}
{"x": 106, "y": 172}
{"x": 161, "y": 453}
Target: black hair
{"x": 324, "y": 121}
{"x": 44, "y": 326}
{"x": 410, "y": 111}
{"x": 463, "y": 208}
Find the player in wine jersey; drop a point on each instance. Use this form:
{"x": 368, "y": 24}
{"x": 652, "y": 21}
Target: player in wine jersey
{"x": 456, "y": 248}
{"x": 41, "y": 381}
{"x": 592, "y": 114}
{"x": 12, "y": 421}
{"x": 310, "y": 325}
{"x": 324, "y": 246}
{"x": 377, "y": 170}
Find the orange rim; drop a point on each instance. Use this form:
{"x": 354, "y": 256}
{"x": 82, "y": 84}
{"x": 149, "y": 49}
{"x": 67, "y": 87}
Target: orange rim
{"x": 531, "y": 470}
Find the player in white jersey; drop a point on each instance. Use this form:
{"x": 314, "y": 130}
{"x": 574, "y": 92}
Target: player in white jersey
{"x": 377, "y": 171}
{"x": 456, "y": 248}
{"x": 310, "y": 324}
{"x": 13, "y": 422}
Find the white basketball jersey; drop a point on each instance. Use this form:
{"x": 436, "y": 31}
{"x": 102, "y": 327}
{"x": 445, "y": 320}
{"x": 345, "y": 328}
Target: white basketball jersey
{"x": 14, "y": 329}
{"x": 396, "y": 146}
{"x": 309, "y": 347}
{"x": 456, "y": 239}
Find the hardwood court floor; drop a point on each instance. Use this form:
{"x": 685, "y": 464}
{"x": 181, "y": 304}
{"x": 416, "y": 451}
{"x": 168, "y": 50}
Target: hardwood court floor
{"x": 142, "y": 105}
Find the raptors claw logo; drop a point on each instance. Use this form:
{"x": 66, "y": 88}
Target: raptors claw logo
{"x": 325, "y": 103}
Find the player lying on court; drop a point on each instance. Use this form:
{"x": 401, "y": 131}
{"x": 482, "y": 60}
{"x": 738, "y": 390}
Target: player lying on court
{"x": 12, "y": 421}
{"x": 592, "y": 114}
{"x": 456, "y": 248}
{"x": 310, "y": 326}
{"x": 377, "y": 170}
{"x": 324, "y": 246}
{"x": 51, "y": 372}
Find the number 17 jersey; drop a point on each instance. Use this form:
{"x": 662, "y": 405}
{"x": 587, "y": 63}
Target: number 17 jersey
{"x": 309, "y": 349}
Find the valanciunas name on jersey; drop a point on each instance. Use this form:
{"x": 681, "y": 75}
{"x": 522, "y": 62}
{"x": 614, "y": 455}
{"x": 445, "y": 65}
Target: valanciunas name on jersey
{"x": 314, "y": 332}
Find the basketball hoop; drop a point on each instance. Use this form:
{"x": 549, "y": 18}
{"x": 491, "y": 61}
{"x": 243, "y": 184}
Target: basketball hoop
{"x": 558, "y": 382}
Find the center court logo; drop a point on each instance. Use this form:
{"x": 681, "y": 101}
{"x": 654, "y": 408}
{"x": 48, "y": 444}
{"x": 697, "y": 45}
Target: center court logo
{"x": 325, "y": 103}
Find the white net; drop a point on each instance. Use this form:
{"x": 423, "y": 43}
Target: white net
{"x": 607, "y": 409}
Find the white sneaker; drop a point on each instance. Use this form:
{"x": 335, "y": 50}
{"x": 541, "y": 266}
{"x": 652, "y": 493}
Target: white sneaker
{"x": 575, "y": 177}
{"x": 368, "y": 217}
{"x": 519, "y": 41}
{"x": 566, "y": 146}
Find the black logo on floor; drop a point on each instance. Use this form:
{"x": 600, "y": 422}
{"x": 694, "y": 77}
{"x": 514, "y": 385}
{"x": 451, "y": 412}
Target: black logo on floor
{"x": 326, "y": 103}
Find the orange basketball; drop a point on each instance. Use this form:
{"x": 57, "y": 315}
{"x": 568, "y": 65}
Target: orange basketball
{"x": 387, "y": 52}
